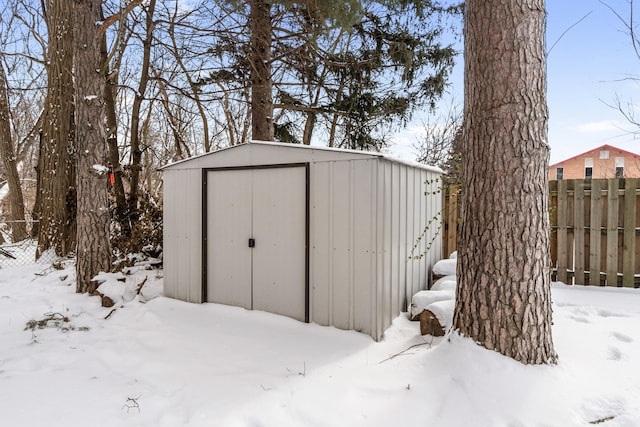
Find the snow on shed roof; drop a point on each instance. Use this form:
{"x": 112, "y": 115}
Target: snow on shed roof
{"x": 313, "y": 147}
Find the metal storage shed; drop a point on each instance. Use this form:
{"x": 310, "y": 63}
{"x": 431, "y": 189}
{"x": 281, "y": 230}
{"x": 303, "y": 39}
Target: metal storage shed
{"x": 317, "y": 234}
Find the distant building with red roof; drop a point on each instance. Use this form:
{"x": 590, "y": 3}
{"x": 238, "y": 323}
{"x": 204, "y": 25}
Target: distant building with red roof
{"x": 602, "y": 162}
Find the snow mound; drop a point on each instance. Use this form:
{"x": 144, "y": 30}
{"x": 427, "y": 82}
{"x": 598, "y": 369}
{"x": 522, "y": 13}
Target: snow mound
{"x": 115, "y": 287}
{"x": 425, "y": 298}
{"x": 445, "y": 283}
{"x": 445, "y": 267}
{"x": 122, "y": 289}
{"x": 443, "y": 310}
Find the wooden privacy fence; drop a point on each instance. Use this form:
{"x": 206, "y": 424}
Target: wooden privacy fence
{"x": 595, "y": 237}
{"x": 450, "y": 219}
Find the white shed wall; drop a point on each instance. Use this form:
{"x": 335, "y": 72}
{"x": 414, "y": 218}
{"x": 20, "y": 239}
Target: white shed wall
{"x": 366, "y": 214}
{"x": 366, "y": 217}
{"x": 182, "y": 238}
{"x": 342, "y": 235}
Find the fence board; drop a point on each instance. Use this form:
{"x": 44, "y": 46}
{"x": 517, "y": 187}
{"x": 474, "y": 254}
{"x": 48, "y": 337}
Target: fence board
{"x": 595, "y": 235}
{"x": 629, "y": 249}
{"x": 562, "y": 231}
{"x": 553, "y": 219}
{"x": 612, "y": 233}
{"x": 579, "y": 234}
{"x": 453, "y": 224}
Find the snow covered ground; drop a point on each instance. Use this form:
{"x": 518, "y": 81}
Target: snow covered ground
{"x": 160, "y": 362}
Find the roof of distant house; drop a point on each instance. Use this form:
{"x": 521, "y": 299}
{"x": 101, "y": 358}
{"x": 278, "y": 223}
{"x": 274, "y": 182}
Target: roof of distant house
{"x": 602, "y": 147}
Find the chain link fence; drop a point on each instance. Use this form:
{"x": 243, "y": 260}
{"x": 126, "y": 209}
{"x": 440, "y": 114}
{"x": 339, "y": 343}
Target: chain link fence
{"x": 22, "y": 252}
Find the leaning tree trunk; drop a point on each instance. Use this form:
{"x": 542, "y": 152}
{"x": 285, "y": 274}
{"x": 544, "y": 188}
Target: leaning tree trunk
{"x": 7, "y": 152}
{"x": 93, "y": 247}
{"x": 503, "y": 299}
{"x": 135, "y": 166}
{"x": 261, "y": 84}
{"x": 110, "y": 87}
{"x": 56, "y": 199}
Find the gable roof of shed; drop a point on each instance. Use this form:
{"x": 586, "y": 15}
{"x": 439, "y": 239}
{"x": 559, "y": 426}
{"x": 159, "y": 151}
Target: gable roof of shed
{"x": 310, "y": 147}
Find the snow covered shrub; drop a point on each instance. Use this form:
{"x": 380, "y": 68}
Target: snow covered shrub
{"x": 146, "y": 231}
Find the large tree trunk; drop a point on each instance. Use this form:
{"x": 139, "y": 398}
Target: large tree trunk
{"x": 57, "y": 192}
{"x": 93, "y": 248}
{"x": 261, "y": 84}
{"x": 503, "y": 299}
{"x": 7, "y": 152}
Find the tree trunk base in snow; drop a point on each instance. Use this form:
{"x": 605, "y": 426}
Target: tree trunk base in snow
{"x": 430, "y": 325}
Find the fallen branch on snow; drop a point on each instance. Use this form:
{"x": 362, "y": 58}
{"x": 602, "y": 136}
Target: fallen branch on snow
{"x": 407, "y": 349}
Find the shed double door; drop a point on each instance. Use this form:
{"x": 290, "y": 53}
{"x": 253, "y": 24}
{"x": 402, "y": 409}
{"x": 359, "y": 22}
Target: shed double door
{"x": 256, "y": 239}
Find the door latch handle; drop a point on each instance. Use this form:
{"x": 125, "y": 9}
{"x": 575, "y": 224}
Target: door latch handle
{"x": 252, "y": 243}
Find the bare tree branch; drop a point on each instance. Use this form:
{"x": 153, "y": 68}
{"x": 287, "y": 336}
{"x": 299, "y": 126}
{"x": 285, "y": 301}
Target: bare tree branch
{"x": 117, "y": 16}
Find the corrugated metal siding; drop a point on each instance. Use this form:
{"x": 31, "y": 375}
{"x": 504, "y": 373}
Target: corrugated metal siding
{"x": 169, "y": 237}
{"x": 403, "y": 211}
{"x": 320, "y": 237}
{"x": 339, "y": 249}
{"x": 418, "y": 227}
{"x": 366, "y": 214}
{"x": 363, "y": 253}
{"x": 342, "y": 228}
{"x": 404, "y": 243}
{"x": 182, "y": 235}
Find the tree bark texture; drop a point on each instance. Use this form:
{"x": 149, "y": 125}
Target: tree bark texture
{"x": 9, "y": 161}
{"x": 261, "y": 83}
{"x": 503, "y": 299}
{"x": 57, "y": 196}
{"x": 93, "y": 247}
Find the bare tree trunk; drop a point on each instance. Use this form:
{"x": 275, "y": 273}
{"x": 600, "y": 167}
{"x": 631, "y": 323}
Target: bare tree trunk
{"x": 333, "y": 128}
{"x": 174, "y": 122}
{"x": 57, "y": 195}
{"x": 231, "y": 126}
{"x": 308, "y": 128}
{"x": 37, "y": 203}
{"x": 261, "y": 84}
{"x": 136, "y": 149}
{"x": 503, "y": 299}
{"x": 7, "y": 152}
{"x": 93, "y": 249}
{"x": 111, "y": 84}
{"x": 195, "y": 91}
